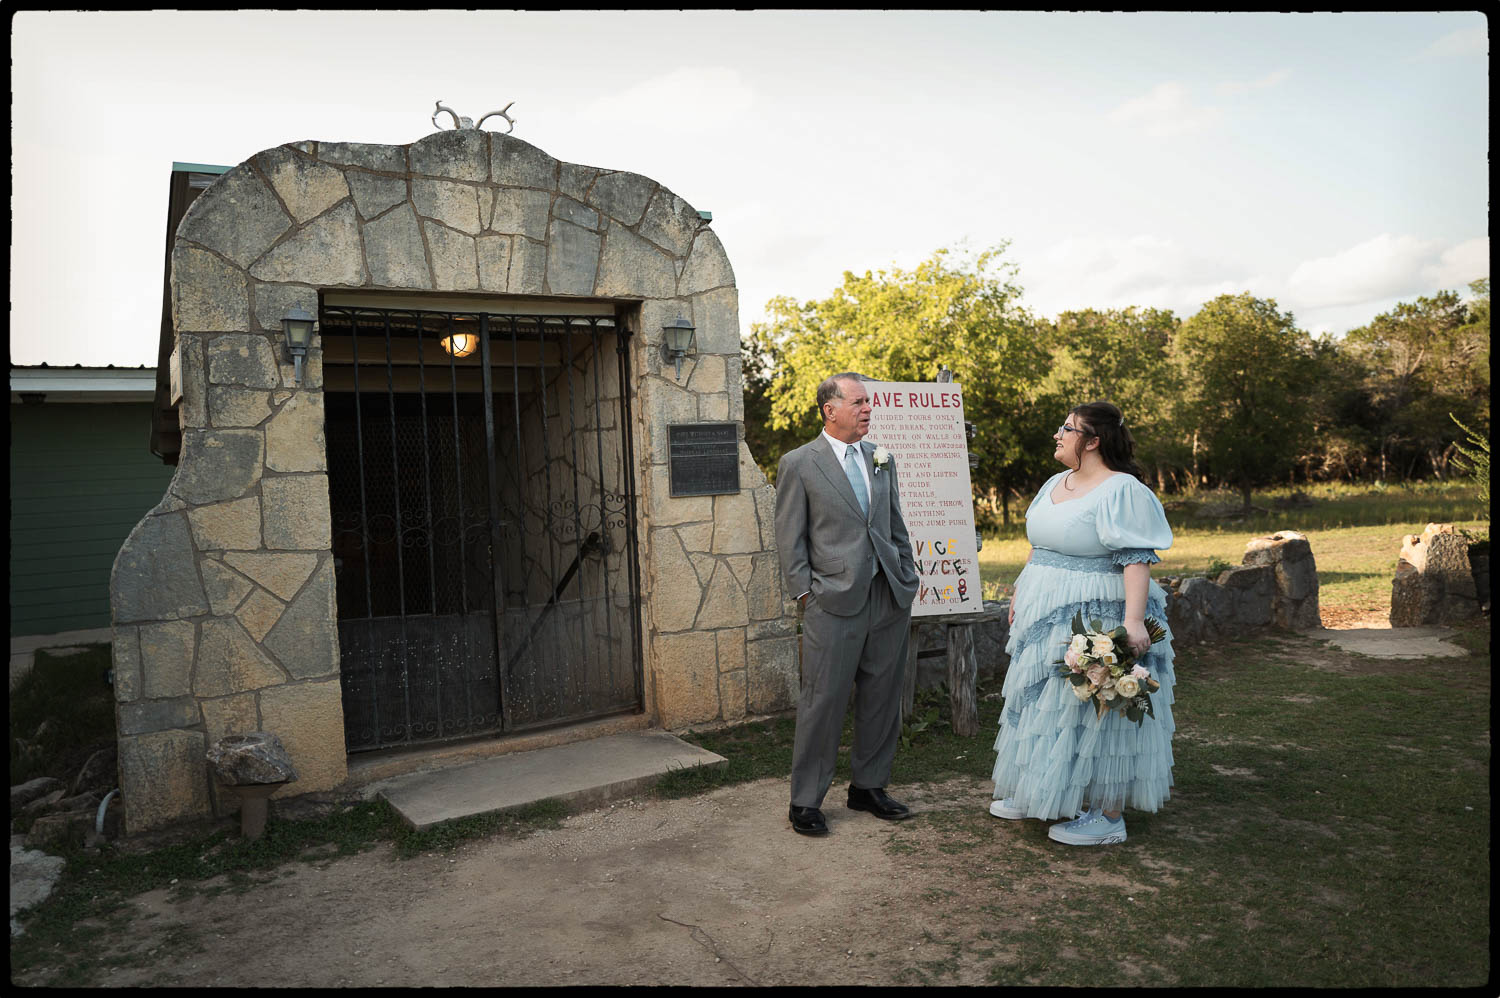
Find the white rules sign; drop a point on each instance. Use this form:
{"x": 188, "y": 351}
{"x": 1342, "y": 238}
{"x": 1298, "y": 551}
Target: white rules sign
{"x": 922, "y": 425}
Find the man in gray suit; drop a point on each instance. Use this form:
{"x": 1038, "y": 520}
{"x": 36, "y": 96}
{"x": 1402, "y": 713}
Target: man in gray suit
{"x": 845, "y": 551}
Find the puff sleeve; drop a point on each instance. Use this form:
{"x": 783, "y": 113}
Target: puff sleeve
{"x": 1132, "y": 524}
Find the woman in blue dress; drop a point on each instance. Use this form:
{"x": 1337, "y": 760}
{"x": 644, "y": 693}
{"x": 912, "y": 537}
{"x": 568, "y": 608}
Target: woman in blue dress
{"x": 1094, "y": 530}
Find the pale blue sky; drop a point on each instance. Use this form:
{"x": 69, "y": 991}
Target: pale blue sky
{"x": 1336, "y": 163}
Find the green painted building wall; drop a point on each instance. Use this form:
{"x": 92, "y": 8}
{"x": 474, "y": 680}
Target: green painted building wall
{"x": 81, "y": 476}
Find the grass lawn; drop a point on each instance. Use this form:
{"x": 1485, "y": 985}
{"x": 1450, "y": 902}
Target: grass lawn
{"x": 1355, "y": 536}
{"x": 1329, "y": 827}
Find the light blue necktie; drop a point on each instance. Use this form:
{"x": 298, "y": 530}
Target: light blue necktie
{"x": 856, "y": 479}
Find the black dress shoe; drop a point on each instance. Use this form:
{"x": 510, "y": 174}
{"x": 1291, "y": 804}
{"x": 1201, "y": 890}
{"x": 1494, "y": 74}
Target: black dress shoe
{"x": 807, "y": 820}
{"x": 878, "y": 803}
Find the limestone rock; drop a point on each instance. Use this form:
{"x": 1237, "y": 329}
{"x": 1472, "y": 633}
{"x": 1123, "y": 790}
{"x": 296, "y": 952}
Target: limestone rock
{"x": 708, "y": 266}
{"x": 64, "y": 827}
{"x": 208, "y": 294}
{"x": 461, "y": 154}
{"x": 622, "y": 195}
{"x": 326, "y": 251}
{"x": 33, "y": 874}
{"x": 42, "y": 805}
{"x": 520, "y": 212}
{"x": 163, "y": 779}
{"x": 454, "y": 261}
{"x": 395, "y": 252}
{"x": 631, "y": 265}
{"x": 383, "y": 159}
{"x": 772, "y": 677}
{"x": 374, "y": 195}
{"x": 518, "y": 163}
{"x": 1434, "y": 581}
{"x": 1414, "y": 596}
{"x": 296, "y": 512}
{"x": 153, "y": 577}
{"x": 1290, "y": 557}
{"x": 237, "y": 217}
{"x": 308, "y": 187}
{"x": 24, "y": 793}
{"x": 218, "y": 464}
{"x": 252, "y": 759}
{"x": 572, "y": 259}
{"x": 455, "y": 205}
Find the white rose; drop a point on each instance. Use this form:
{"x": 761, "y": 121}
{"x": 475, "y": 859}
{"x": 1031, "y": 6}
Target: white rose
{"x": 1080, "y": 643}
{"x": 1109, "y": 659}
{"x": 1128, "y": 686}
{"x": 1082, "y": 691}
{"x": 1103, "y": 644}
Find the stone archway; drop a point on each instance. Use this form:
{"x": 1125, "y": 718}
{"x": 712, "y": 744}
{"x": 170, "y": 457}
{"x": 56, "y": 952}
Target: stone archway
{"x": 223, "y": 595}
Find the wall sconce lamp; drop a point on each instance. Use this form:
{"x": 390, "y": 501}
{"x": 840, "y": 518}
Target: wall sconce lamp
{"x": 297, "y": 327}
{"x": 676, "y": 343}
{"x": 460, "y": 344}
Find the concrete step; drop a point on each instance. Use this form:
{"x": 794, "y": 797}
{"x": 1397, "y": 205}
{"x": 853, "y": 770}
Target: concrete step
{"x": 582, "y": 774}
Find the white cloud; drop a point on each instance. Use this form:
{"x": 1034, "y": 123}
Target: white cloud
{"x": 1468, "y": 261}
{"x": 1273, "y": 79}
{"x": 1166, "y": 110}
{"x": 1147, "y": 270}
{"x": 1455, "y": 44}
{"x": 1384, "y": 267}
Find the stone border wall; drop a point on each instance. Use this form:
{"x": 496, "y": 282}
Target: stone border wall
{"x": 223, "y": 595}
{"x": 1275, "y": 586}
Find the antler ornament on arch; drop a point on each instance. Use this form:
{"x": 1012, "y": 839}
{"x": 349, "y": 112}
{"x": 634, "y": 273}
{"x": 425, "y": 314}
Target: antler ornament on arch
{"x": 460, "y": 122}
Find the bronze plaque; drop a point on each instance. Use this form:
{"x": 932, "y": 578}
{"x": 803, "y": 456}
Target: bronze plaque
{"x": 703, "y": 458}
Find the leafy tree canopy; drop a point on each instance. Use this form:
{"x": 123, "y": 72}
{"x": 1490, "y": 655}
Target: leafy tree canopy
{"x": 1247, "y": 371}
{"x": 903, "y": 325}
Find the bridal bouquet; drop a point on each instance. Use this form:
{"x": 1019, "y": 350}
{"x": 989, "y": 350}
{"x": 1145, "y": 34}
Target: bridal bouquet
{"x": 1102, "y": 667}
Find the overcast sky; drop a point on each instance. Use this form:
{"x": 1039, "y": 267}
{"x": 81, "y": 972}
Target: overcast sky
{"x": 1336, "y": 163}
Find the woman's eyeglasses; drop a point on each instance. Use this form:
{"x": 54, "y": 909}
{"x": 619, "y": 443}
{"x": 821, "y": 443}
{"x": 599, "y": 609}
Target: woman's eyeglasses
{"x": 1065, "y": 429}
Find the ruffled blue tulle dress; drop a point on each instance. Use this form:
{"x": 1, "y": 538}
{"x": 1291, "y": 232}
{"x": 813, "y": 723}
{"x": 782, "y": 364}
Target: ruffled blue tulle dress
{"x": 1054, "y": 756}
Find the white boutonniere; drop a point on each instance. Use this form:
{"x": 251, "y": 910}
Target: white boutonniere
{"x": 882, "y": 458}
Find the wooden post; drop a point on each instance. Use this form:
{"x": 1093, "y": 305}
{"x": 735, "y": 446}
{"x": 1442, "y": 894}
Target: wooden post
{"x": 909, "y": 677}
{"x": 963, "y": 670}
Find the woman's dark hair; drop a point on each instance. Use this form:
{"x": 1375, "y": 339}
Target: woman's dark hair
{"x": 1116, "y": 446}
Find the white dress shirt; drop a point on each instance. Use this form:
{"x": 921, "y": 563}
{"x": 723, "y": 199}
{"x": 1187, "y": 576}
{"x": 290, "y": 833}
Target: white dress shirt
{"x": 840, "y": 448}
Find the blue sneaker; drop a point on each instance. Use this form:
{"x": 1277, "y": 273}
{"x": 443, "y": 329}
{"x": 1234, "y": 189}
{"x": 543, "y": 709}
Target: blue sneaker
{"x": 1092, "y": 829}
{"x": 1007, "y": 808}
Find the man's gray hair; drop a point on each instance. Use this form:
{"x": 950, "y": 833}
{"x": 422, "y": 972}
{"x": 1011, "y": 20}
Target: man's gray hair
{"x": 830, "y": 390}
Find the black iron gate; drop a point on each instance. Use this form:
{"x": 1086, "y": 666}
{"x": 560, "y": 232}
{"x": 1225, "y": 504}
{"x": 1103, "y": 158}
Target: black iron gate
{"x": 483, "y": 521}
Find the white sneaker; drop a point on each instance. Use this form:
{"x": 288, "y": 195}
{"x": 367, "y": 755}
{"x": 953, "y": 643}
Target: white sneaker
{"x": 1007, "y": 808}
{"x": 1092, "y": 829}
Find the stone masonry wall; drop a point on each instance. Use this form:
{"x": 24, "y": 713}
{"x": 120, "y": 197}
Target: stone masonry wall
{"x": 223, "y": 595}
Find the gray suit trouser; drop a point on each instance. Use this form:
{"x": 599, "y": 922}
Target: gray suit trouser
{"x": 865, "y": 652}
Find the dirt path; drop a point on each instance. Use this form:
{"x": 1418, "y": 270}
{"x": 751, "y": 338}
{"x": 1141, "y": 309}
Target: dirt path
{"x": 703, "y": 891}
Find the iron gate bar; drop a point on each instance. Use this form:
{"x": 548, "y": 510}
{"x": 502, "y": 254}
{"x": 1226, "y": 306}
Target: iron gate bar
{"x": 609, "y": 630}
{"x": 583, "y": 545}
{"x": 364, "y": 522}
{"x": 496, "y": 539}
{"x": 635, "y": 563}
{"x": 390, "y": 395}
{"x": 463, "y": 528}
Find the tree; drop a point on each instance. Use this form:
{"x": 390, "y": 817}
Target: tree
{"x": 1122, "y": 356}
{"x": 1247, "y": 372}
{"x": 899, "y": 325}
{"x": 1424, "y": 359}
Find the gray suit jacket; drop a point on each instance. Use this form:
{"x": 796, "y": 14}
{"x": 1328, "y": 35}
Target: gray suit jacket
{"x": 827, "y": 546}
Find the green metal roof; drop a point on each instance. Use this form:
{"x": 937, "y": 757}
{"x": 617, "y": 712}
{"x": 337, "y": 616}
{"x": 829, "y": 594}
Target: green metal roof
{"x": 199, "y": 168}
